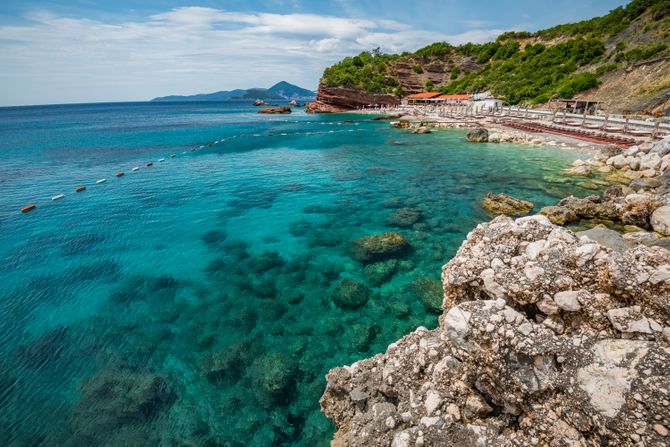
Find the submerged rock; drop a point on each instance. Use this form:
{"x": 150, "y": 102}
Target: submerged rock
{"x": 380, "y": 247}
{"x": 350, "y": 294}
{"x": 504, "y": 204}
{"x": 381, "y": 272}
{"x": 116, "y": 399}
{"x": 478, "y": 135}
{"x": 405, "y": 217}
{"x": 273, "y": 378}
{"x": 545, "y": 339}
{"x": 44, "y": 350}
{"x": 429, "y": 291}
{"x": 227, "y": 365}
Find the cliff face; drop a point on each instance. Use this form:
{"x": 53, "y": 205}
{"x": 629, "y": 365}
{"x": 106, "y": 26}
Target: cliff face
{"x": 545, "y": 339}
{"x": 337, "y": 99}
{"x": 642, "y": 86}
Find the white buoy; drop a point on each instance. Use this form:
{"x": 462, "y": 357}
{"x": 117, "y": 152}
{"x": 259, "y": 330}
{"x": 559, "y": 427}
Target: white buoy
{"x": 136, "y": 168}
{"x": 58, "y": 197}
{"x": 102, "y": 180}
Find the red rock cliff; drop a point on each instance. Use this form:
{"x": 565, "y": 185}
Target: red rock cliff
{"x": 337, "y": 99}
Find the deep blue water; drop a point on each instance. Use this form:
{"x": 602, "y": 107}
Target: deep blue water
{"x": 190, "y": 303}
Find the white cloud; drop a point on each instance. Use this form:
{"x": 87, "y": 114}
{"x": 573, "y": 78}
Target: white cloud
{"x": 186, "y": 50}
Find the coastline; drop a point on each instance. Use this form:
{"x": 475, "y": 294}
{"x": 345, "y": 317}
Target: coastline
{"x": 526, "y": 342}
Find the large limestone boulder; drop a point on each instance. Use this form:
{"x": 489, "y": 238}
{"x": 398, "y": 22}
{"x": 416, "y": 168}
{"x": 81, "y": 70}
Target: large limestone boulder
{"x": 504, "y": 204}
{"x": 559, "y": 215}
{"x": 662, "y": 148}
{"x": 478, "y": 135}
{"x": 607, "y": 238}
{"x": 660, "y": 220}
{"x": 545, "y": 339}
{"x": 380, "y": 247}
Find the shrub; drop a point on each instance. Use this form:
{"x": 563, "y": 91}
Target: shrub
{"x": 576, "y": 83}
{"x": 605, "y": 69}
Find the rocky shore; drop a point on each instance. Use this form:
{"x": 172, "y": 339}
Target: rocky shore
{"x": 338, "y": 99}
{"x": 547, "y": 337}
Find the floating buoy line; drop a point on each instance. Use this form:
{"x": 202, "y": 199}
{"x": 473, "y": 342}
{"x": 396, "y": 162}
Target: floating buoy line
{"x": 150, "y": 164}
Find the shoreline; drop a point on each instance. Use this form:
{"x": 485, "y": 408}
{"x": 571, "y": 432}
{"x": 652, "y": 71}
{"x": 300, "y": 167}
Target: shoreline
{"x": 539, "y": 324}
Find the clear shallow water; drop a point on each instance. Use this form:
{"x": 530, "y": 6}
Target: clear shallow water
{"x": 190, "y": 303}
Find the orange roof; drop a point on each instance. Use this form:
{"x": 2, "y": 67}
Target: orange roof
{"x": 426, "y": 95}
{"x": 456, "y": 97}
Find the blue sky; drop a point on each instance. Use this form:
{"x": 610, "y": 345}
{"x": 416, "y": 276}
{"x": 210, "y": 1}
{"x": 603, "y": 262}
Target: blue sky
{"x": 91, "y": 50}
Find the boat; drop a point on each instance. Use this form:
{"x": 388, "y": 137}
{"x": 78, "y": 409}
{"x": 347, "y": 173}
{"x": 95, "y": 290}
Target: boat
{"x": 80, "y": 189}
{"x": 30, "y": 207}
{"x": 57, "y": 197}
{"x": 150, "y": 164}
{"x": 136, "y": 168}
{"x": 101, "y": 181}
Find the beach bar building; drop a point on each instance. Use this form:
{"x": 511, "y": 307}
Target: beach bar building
{"x": 486, "y": 101}
{"x": 422, "y": 98}
{"x": 455, "y": 100}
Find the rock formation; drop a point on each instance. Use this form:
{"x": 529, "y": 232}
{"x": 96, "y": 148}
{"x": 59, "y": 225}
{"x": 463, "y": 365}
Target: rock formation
{"x": 338, "y": 99}
{"x": 545, "y": 339}
{"x": 504, "y": 204}
{"x": 380, "y": 246}
{"x": 478, "y": 135}
{"x": 283, "y": 109}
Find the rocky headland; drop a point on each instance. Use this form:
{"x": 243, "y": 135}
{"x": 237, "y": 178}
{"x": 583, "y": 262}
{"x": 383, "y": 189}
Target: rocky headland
{"x": 339, "y": 99}
{"x": 546, "y": 337}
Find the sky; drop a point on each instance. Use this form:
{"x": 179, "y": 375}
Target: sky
{"x": 60, "y": 51}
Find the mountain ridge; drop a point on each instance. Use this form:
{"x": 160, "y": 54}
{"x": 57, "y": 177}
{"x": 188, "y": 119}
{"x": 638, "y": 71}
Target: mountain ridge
{"x": 281, "y": 91}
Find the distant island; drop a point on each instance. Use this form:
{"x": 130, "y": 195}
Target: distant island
{"x": 281, "y": 91}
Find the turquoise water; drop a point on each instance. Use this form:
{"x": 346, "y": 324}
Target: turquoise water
{"x": 190, "y": 303}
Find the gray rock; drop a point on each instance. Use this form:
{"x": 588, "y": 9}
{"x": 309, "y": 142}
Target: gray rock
{"x": 478, "y": 135}
{"x": 660, "y": 220}
{"x": 629, "y": 320}
{"x": 568, "y": 300}
{"x": 608, "y": 238}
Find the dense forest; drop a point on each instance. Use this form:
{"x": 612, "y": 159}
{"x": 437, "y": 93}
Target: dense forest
{"x": 521, "y": 66}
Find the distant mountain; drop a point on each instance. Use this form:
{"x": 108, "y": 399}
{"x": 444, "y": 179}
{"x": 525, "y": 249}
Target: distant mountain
{"x": 280, "y": 91}
{"x": 290, "y": 91}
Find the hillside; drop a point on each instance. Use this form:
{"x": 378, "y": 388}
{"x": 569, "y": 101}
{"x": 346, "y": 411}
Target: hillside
{"x": 625, "y": 51}
{"x": 280, "y": 91}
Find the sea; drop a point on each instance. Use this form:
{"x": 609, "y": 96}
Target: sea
{"x": 200, "y": 298}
